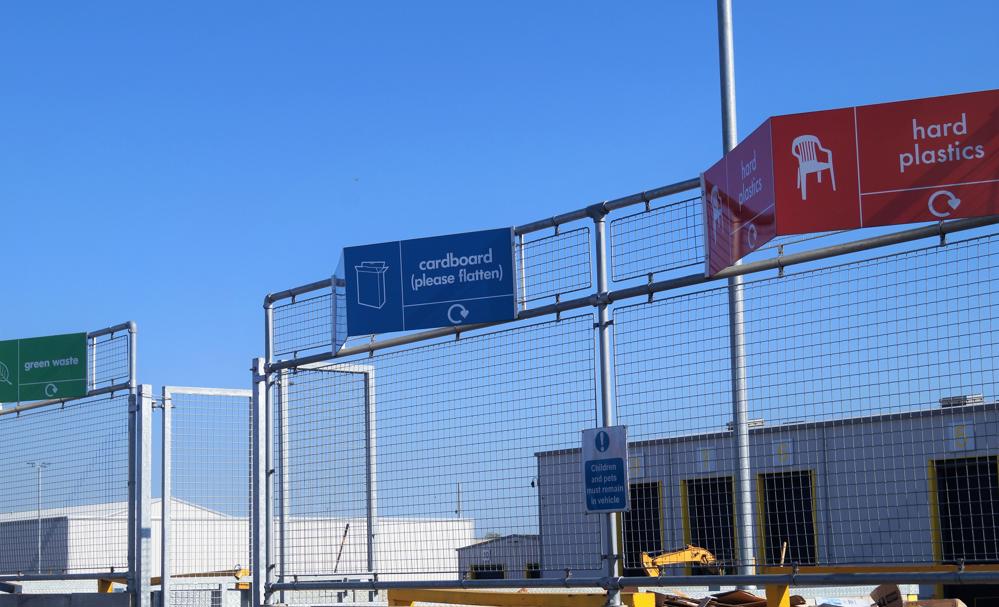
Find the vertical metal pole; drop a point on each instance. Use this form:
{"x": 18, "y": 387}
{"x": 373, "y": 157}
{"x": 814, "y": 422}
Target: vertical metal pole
{"x": 133, "y": 440}
{"x": 371, "y": 477}
{"x": 736, "y": 310}
{"x": 93, "y": 366}
{"x": 268, "y": 438}
{"x": 38, "y": 506}
{"x": 261, "y": 446}
{"x": 523, "y": 273}
{"x": 608, "y": 415}
{"x": 282, "y": 472}
{"x": 258, "y": 474}
{"x": 165, "y": 500}
{"x": 143, "y": 463}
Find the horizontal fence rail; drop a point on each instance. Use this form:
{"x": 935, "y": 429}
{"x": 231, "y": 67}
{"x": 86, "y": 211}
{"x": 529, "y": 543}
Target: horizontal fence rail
{"x": 450, "y": 458}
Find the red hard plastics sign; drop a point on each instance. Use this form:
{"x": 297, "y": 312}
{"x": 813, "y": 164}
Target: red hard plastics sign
{"x": 739, "y": 201}
{"x": 891, "y": 163}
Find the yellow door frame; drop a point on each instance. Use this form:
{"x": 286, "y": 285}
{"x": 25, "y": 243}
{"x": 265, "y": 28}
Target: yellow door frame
{"x": 685, "y": 512}
{"x": 662, "y": 522}
{"x": 761, "y": 523}
{"x": 936, "y": 534}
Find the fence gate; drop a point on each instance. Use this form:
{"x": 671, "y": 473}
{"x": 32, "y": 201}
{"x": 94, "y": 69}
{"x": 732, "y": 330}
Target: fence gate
{"x": 205, "y": 502}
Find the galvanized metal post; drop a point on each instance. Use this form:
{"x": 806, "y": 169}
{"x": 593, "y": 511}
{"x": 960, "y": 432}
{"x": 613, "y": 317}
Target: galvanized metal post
{"x": 523, "y": 272}
{"x": 282, "y": 474}
{"x": 38, "y": 506}
{"x": 262, "y": 457}
{"x": 258, "y": 475}
{"x": 736, "y": 310}
{"x": 133, "y": 441}
{"x": 608, "y": 416}
{"x": 143, "y": 464}
{"x": 269, "y": 491}
{"x": 93, "y": 366}
{"x": 165, "y": 499}
{"x": 371, "y": 479}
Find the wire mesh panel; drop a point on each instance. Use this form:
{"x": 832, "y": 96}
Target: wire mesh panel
{"x": 201, "y": 595}
{"x": 209, "y": 481}
{"x": 424, "y": 463}
{"x": 661, "y": 239}
{"x": 64, "y": 503}
{"x": 874, "y": 424}
{"x": 108, "y": 360}
{"x": 304, "y": 324}
{"x": 556, "y": 264}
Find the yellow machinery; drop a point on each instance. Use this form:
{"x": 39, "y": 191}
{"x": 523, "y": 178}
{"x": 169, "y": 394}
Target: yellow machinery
{"x": 690, "y": 555}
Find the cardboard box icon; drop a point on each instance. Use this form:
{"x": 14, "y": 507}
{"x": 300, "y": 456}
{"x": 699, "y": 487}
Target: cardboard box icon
{"x": 371, "y": 283}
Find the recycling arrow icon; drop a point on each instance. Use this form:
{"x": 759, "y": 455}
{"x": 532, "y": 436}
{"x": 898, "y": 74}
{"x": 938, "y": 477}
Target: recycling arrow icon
{"x": 457, "y": 314}
{"x": 946, "y": 206}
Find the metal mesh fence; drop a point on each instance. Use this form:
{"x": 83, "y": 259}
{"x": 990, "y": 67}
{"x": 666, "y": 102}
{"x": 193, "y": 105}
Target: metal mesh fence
{"x": 660, "y": 239}
{"x": 107, "y": 359}
{"x": 303, "y": 325}
{"x": 556, "y": 264}
{"x": 435, "y": 450}
{"x": 64, "y": 503}
{"x": 202, "y": 595}
{"x": 872, "y": 388}
{"x": 209, "y": 481}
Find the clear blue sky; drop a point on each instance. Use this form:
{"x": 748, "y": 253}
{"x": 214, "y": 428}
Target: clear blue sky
{"x": 172, "y": 164}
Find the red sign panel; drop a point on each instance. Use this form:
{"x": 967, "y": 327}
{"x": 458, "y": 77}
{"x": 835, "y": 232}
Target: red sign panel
{"x": 739, "y": 201}
{"x": 892, "y": 163}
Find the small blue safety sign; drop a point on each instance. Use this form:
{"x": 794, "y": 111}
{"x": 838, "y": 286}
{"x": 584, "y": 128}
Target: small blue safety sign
{"x": 426, "y": 283}
{"x": 605, "y": 469}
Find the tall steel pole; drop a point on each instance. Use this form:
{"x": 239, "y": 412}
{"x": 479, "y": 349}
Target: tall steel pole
{"x": 38, "y": 506}
{"x": 608, "y": 412}
{"x": 736, "y": 310}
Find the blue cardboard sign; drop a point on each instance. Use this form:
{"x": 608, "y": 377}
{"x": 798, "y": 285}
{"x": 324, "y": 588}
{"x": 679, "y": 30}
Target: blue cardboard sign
{"x": 605, "y": 469}
{"x": 425, "y": 283}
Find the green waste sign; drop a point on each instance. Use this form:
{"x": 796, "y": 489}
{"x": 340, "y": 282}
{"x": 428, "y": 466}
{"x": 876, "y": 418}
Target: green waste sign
{"x": 42, "y": 368}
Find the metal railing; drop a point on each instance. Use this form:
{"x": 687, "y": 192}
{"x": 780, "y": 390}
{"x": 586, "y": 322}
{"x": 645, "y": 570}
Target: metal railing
{"x": 847, "y": 344}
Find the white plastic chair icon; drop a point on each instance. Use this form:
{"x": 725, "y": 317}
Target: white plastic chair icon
{"x": 716, "y": 211}
{"x": 806, "y": 149}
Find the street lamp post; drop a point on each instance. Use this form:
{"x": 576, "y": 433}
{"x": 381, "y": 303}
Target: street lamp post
{"x": 38, "y": 466}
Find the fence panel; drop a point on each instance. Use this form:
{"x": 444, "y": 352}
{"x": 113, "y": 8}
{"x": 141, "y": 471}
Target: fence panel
{"x": 64, "y": 504}
{"x": 64, "y": 507}
{"x": 435, "y": 450}
{"x": 303, "y": 325}
{"x": 554, "y": 264}
{"x": 206, "y": 491}
{"x": 656, "y": 240}
{"x": 872, "y": 386}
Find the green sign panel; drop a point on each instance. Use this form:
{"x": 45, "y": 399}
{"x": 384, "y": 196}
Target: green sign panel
{"x": 41, "y": 368}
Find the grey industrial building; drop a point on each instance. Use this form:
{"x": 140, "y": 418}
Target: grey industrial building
{"x": 919, "y": 486}
{"x": 509, "y": 556}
